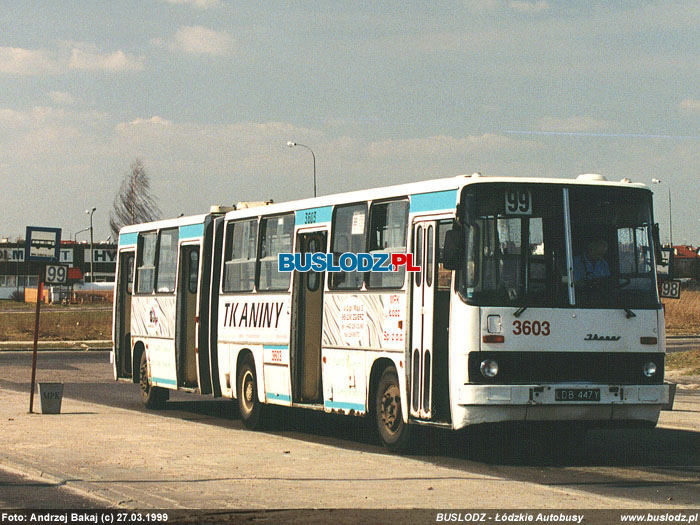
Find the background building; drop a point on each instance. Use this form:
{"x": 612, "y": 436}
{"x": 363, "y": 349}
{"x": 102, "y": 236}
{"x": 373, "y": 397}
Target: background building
{"x": 16, "y": 273}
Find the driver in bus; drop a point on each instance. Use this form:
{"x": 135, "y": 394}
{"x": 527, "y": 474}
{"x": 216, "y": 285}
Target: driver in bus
{"x": 592, "y": 264}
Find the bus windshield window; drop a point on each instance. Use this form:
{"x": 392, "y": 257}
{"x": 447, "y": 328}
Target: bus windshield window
{"x": 516, "y": 246}
{"x": 611, "y": 239}
{"x": 516, "y": 251}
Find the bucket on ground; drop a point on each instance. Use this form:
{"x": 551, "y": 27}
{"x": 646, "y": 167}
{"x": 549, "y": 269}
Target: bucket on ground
{"x": 51, "y": 395}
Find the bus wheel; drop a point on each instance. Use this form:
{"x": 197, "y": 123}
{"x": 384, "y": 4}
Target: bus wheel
{"x": 393, "y": 431}
{"x": 249, "y": 406}
{"x": 152, "y": 396}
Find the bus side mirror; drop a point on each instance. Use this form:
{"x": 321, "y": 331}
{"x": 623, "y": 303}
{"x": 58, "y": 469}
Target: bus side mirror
{"x": 657, "y": 245}
{"x": 452, "y": 253}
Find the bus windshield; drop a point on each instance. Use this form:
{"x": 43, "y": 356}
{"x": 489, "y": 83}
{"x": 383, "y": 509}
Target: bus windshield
{"x": 518, "y": 238}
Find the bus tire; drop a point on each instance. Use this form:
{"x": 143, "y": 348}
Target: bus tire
{"x": 393, "y": 431}
{"x": 249, "y": 406}
{"x": 152, "y": 396}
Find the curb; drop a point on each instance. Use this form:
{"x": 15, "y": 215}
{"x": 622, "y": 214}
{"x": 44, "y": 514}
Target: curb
{"x": 57, "y": 349}
{"x": 56, "y": 479}
{"x": 54, "y": 346}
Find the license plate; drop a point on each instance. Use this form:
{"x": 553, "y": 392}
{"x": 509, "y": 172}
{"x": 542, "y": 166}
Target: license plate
{"x": 577, "y": 394}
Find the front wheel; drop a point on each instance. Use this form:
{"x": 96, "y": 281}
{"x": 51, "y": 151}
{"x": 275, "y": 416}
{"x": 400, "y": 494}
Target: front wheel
{"x": 249, "y": 405}
{"x": 152, "y": 396}
{"x": 393, "y": 431}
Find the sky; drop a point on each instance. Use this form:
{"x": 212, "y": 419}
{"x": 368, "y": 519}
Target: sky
{"x": 208, "y": 92}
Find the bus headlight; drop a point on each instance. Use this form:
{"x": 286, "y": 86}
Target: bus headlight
{"x": 649, "y": 369}
{"x": 489, "y": 368}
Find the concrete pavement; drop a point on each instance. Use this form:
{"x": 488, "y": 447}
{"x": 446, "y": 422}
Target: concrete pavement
{"x": 124, "y": 458}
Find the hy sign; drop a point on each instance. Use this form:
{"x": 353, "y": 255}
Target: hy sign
{"x": 43, "y": 244}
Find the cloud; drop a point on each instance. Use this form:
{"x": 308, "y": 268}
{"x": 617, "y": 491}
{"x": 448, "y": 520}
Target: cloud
{"x": 199, "y": 4}
{"x": 690, "y": 105}
{"x": 153, "y": 121}
{"x": 60, "y": 97}
{"x": 10, "y": 118}
{"x": 87, "y": 57}
{"x": 70, "y": 56}
{"x": 198, "y": 40}
{"x": 18, "y": 61}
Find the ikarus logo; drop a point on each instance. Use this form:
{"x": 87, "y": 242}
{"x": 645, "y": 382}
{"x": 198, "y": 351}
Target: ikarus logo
{"x": 596, "y": 337}
{"x": 345, "y": 262}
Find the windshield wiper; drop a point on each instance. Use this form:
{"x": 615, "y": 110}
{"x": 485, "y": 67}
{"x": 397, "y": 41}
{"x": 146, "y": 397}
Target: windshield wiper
{"x": 520, "y": 310}
{"x": 629, "y": 313}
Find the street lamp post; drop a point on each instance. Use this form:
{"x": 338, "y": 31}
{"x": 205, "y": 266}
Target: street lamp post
{"x": 75, "y": 235}
{"x": 92, "y": 273}
{"x": 291, "y": 144}
{"x": 670, "y": 222}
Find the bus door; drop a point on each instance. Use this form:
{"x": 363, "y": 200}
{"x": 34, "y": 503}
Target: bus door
{"x": 423, "y": 314}
{"x": 307, "y": 308}
{"x": 185, "y": 337}
{"x": 122, "y": 329}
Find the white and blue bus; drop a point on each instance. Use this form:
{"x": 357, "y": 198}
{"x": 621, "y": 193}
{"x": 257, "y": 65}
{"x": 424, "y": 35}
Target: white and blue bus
{"x": 530, "y": 300}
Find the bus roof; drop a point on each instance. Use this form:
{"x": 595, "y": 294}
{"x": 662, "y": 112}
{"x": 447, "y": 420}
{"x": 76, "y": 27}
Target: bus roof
{"x": 417, "y": 188}
{"x": 165, "y": 223}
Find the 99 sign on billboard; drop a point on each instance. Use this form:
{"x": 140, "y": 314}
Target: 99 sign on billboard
{"x": 56, "y": 274}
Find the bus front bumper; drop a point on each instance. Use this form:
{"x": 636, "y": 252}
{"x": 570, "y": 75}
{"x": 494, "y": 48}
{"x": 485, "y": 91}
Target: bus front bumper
{"x": 561, "y": 402}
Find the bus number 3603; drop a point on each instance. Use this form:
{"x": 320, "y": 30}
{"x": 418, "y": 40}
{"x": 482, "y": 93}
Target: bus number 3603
{"x": 531, "y": 328}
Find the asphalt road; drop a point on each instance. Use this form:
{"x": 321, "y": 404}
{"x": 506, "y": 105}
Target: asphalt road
{"x": 21, "y": 492}
{"x": 651, "y": 466}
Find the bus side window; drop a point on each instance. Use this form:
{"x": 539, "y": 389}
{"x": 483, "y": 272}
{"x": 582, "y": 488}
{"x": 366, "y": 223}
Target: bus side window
{"x": 167, "y": 260}
{"x": 194, "y": 271}
{"x": 313, "y": 278}
{"x": 240, "y": 256}
{"x": 276, "y": 238}
{"x": 444, "y": 276}
{"x": 146, "y": 272}
{"x": 130, "y": 275}
{"x": 389, "y": 222}
{"x": 349, "y": 232}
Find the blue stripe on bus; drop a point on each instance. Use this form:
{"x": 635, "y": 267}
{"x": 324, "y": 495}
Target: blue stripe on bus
{"x": 344, "y": 406}
{"x": 280, "y": 397}
{"x": 128, "y": 239}
{"x": 191, "y": 230}
{"x": 313, "y": 215}
{"x": 163, "y": 381}
{"x": 440, "y": 200}
{"x": 275, "y": 347}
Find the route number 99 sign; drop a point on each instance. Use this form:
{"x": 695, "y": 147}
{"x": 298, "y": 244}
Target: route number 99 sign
{"x": 670, "y": 289}
{"x": 56, "y": 274}
{"x": 518, "y": 202}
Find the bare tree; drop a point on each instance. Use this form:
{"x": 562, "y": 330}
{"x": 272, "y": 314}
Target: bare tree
{"x": 133, "y": 203}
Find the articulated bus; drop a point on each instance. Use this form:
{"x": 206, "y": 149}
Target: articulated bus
{"x": 528, "y": 299}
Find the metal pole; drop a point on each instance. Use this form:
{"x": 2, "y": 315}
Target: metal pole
{"x": 314, "y": 157}
{"x": 670, "y": 223}
{"x": 291, "y": 144}
{"x": 39, "y": 295}
{"x": 92, "y": 273}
